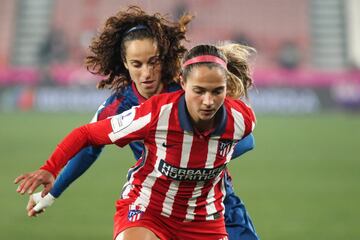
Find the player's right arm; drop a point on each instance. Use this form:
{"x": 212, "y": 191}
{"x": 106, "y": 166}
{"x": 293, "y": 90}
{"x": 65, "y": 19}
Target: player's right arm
{"x": 121, "y": 129}
{"x": 73, "y": 170}
{"x": 76, "y": 166}
{"x": 83, "y": 160}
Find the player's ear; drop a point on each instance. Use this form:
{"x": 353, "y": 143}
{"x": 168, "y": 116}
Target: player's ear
{"x": 182, "y": 82}
{"x": 125, "y": 64}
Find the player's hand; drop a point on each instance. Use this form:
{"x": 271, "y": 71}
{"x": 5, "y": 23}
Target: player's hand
{"x": 30, "y": 181}
{"x": 31, "y": 204}
{"x": 37, "y": 204}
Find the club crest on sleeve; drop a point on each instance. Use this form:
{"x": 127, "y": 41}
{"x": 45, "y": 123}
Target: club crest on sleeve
{"x": 121, "y": 121}
{"x": 224, "y": 147}
{"x": 135, "y": 212}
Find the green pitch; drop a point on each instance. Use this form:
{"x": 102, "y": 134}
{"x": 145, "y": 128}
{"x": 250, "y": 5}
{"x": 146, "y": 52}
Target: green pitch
{"x": 302, "y": 181}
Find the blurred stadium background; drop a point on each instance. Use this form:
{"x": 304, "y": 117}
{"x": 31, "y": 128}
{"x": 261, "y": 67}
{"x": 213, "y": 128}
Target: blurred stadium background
{"x": 300, "y": 182}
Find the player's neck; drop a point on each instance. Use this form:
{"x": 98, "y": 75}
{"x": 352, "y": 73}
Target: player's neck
{"x": 204, "y": 126}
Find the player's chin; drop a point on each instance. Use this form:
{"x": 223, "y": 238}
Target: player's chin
{"x": 205, "y": 116}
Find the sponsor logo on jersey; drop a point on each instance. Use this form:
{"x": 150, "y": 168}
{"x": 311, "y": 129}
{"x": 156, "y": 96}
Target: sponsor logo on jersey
{"x": 188, "y": 174}
{"x": 135, "y": 212}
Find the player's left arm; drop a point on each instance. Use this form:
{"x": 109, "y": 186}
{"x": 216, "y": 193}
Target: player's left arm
{"x": 244, "y": 145}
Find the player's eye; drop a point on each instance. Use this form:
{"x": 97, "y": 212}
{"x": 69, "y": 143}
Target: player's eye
{"x": 154, "y": 61}
{"x": 136, "y": 65}
{"x": 218, "y": 91}
{"x": 198, "y": 91}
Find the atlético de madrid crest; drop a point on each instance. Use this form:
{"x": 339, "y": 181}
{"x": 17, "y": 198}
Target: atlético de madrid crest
{"x": 135, "y": 212}
{"x": 225, "y": 147}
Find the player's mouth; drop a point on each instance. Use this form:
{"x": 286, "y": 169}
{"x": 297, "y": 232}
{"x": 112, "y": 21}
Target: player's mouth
{"x": 148, "y": 83}
{"x": 207, "y": 112}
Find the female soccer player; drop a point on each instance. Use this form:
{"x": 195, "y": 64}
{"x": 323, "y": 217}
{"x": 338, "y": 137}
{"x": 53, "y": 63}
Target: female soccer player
{"x": 137, "y": 37}
{"x": 176, "y": 189}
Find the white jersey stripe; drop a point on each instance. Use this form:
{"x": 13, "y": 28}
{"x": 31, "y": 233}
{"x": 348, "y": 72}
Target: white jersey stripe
{"x": 162, "y": 125}
{"x": 210, "y": 206}
{"x": 223, "y": 191}
{"x": 239, "y": 124}
{"x": 136, "y": 125}
{"x": 185, "y": 156}
{"x": 174, "y": 186}
{"x": 211, "y": 158}
{"x": 167, "y": 206}
{"x": 192, "y": 201}
{"x": 212, "y": 152}
{"x": 239, "y": 129}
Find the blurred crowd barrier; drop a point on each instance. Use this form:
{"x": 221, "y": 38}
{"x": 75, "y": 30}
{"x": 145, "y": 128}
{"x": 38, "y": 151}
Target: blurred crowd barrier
{"x": 56, "y": 75}
{"x": 275, "y": 91}
{"x": 63, "y": 75}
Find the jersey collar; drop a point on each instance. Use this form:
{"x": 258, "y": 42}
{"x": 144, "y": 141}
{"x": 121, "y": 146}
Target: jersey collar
{"x": 185, "y": 122}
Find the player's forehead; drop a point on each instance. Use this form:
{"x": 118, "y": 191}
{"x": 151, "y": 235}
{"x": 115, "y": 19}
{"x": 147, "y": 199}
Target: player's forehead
{"x": 141, "y": 49}
{"x": 204, "y": 76}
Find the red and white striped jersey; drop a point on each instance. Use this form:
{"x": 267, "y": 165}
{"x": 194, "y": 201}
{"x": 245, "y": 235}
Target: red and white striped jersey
{"x": 181, "y": 171}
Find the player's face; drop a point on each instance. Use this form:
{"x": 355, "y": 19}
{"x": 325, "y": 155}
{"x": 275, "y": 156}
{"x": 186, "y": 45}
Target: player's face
{"x": 142, "y": 61}
{"x": 205, "y": 91}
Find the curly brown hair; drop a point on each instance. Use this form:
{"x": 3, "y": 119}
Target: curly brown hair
{"x": 108, "y": 50}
